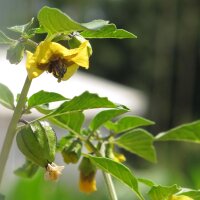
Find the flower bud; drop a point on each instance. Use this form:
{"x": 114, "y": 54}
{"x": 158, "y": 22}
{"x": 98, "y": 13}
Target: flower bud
{"x": 72, "y": 153}
{"x": 77, "y": 40}
{"x": 87, "y": 182}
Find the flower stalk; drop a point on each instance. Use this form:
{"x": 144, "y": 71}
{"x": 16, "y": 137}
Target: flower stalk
{"x": 12, "y": 128}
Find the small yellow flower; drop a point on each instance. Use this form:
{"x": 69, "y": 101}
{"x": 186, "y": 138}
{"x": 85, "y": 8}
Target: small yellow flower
{"x": 53, "y": 172}
{"x": 87, "y": 183}
{"x": 56, "y": 59}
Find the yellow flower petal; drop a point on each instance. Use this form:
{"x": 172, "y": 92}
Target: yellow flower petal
{"x": 70, "y": 71}
{"x": 31, "y": 67}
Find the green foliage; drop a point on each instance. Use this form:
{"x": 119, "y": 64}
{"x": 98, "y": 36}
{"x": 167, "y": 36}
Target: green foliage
{"x": 44, "y": 97}
{"x": 28, "y": 170}
{"x": 2, "y": 197}
{"x": 104, "y": 116}
{"x": 119, "y": 171}
{"x": 139, "y": 142}
{"x": 163, "y": 193}
{"x": 15, "y": 53}
{"x": 187, "y": 132}
{"x": 4, "y": 39}
{"x": 127, "y": 123}
{"x": 108, "y": 31}
{"x": 6, "y": 97}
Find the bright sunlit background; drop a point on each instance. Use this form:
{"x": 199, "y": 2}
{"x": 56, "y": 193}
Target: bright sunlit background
{"x": 156, "y": 75}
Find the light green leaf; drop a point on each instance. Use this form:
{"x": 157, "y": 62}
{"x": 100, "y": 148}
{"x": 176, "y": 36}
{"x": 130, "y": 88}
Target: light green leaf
{"x": 28, "y": 170}
{"x": 139, "y": 142}
{"x": 83, "y": 102}
{"x": 104, "y": 116}
{"x": 6, "y": 97}
{"x": 147, "y": 182}
{"x": 187, "y": 132}
{"x": 128, "y": 122}
{"x": 195, "y": 194}
{"x": 65, "y": 141}
{"x": 54, "y": 21}
{"x": 4, "y": 39}
{"x": 22, "y": 28}
{"x": 163, "y": 192}
{"x": 71, "y": 121}
{"x": 15, "y": 53}
{"x": 95, "y": 24}
{"x": 108, "y": 31}
{"x": 118, "y": 170}
{"x": 44, "y": 97}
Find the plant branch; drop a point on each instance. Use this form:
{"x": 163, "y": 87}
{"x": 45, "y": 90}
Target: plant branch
{"x": 12, "y": 128}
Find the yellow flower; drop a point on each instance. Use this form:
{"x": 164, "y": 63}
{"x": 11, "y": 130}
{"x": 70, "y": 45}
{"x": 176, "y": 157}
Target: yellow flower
{"x": 56, "y": 59}
{"x": 87, "y": 182}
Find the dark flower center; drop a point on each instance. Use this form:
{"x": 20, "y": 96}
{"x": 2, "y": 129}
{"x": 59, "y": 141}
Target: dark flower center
{"x": 58, "y": 68}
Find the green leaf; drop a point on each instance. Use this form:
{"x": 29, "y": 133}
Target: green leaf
{"x": 139, "y": 142}
{"x": 104, "y": 116}
{"x": 162, "y": 192}
{"x": 83, "y": 102}
{"x": 15, "y": 53}
{"x": 127, "y": 123}
{"x": 64, "y": 142}
{"x": 43, "y": 97}
{"x": 4, "y": 39}
{"x": 108, "y": 31}
{"x": 95, "y": 24}
{"x": 28, "y": 170}
{"x": 54, "y": 21}
{"x": 187, "y": 132}
{"x": 6, "y": 97}
{"x": 195, "y": 194}
{"x": 147, "y": 182}
{"x": 118, "y": 170}
{"x": 71, "y": 121}
{"x": 22, "y": 28}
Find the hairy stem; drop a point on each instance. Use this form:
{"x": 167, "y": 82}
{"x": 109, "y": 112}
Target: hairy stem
{"x": 12, "y": 128}
{"x": 107, "y": 177}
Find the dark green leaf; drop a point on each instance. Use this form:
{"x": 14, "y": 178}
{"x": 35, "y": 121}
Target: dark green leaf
{"x": 128, "y": 122}
{"x": 43, "y": 97}
{"x": 22, "y": 28}
{"x": 95, "y": 24}
{"x": 6, "y": 97}
{"x": 4, "y": 39}
{"x": 108, "y": 31}
{"x": 15, "y": 53}
{"x": 118, "y": 170}
{"x": 28, "y": 170}
{"x": 139, "y": 142}
{"x": 83, "y": 102}
{"x": 54, "y": 21}
{"x": 162, "y": 192}
{"x": 187, "y": 132}
{"x": 104, "y": 116}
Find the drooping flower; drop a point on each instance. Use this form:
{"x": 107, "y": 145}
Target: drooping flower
{"x": 87, "y": 182}
{"x": 56, "y": 59}
{"x": 53, "y": 172}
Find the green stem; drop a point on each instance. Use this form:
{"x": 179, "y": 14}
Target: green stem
{"x": 107, "y": 177}
{"x": 110, "y": 186}
{"x": 12, "y": 128}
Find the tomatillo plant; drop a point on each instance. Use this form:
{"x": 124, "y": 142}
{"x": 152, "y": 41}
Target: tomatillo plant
{"x": 65, "y": 48}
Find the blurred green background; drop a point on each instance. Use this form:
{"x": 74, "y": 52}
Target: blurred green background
{"x": 164, "y": 63}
